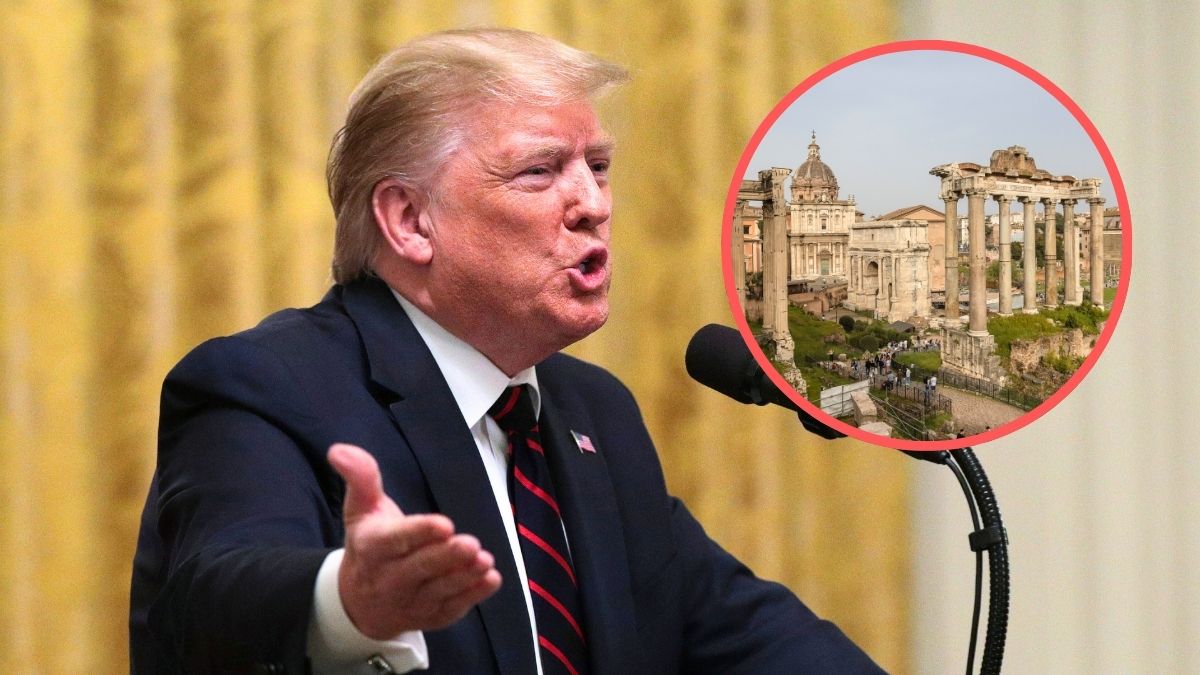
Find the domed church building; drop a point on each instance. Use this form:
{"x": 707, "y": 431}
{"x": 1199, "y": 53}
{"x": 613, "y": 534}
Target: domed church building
{"x": 819, "y": 228}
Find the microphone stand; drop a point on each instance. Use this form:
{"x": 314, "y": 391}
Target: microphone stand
{"x": 991, "y": 537}
{"x": 988, "y": 536}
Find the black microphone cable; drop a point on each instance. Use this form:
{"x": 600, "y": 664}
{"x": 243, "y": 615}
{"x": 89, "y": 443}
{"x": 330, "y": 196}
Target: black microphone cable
{"x": 991, "y": 537}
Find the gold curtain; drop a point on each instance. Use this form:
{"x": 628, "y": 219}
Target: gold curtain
{"x": 161, "y": 182}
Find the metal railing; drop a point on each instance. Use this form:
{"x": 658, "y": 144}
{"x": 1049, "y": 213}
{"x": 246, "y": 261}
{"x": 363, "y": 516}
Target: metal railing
{"x": 908, "y": 425}
{"x": 930, "y": 400}
{"x": 992, "y": 390}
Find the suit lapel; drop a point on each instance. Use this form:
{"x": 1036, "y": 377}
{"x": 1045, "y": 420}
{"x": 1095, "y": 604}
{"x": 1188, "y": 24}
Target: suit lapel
{"x": 584, "y": 489}
{"x": 428, "y": 419}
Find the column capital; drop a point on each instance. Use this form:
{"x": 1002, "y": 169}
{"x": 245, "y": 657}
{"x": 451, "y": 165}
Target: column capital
{"x": 1068, "y": 201}
{"x": 977, "y": 192}
{"x": 951, "y": 197}
{"x": 1002, "y": 198}
{"x": 1026, "y": 199}
{"x": 1049, "y": 201}
{"x": 1095, "y": 200}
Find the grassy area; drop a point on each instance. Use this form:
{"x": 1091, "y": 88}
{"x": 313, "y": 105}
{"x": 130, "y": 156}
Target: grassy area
{"x": 809, "y": 333}
{"x": 1063, "y": 363}
{"x": 936, "y": 421}
{"x": 930, "y": 361}
{"x": 1046, "y": 322}
{"x": 1019, "y": 327}
{"x": 818, "y": 379}
{"x": 1086, "y": 317}
{"x": 1110, "y": 294}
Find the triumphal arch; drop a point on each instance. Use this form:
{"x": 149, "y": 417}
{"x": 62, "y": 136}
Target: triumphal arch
{"x": 889, "y": 269}
{"x": 1013, "y": 176}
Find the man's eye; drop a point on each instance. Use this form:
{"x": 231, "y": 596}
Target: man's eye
{"x": 535, "y": 171}
{"x": 600, "y": 166}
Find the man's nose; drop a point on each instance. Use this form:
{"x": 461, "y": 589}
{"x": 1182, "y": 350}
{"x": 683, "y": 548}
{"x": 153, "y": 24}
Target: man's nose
{"x": 591, "y": 202}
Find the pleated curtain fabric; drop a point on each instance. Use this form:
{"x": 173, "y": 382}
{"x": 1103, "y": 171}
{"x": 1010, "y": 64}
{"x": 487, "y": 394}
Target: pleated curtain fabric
{"x": 162, "y": 182}
{"x": 1099, "y": 495}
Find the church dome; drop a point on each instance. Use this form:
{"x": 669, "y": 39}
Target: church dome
{"x": 814, "y": 179}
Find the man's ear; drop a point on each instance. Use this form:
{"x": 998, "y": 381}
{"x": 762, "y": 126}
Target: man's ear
{"x": 401, "y": 216}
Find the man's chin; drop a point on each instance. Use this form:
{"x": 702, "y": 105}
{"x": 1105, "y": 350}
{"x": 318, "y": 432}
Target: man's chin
{"x": 584, "y": 322}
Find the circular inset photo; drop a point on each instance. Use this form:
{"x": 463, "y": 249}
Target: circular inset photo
{"x": 927, "y": 245}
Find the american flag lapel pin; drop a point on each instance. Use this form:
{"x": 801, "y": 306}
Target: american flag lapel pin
{"x": 584, "y": 443}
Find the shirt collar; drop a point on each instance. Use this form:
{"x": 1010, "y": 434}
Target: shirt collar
{"x": 474, "y": 381}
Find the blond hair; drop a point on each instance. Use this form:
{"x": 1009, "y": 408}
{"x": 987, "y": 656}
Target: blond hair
{"x": 408, "y": 114}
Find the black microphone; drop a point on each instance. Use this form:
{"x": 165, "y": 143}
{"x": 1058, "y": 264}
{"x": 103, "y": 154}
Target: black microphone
{"x": 718, "y": 359}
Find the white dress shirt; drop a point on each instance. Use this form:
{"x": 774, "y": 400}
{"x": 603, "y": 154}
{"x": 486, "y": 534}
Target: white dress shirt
{"x": 334, "y": 644}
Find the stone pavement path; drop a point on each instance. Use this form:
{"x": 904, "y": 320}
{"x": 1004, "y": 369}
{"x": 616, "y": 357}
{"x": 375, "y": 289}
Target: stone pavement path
{"x": 975, "y": 413}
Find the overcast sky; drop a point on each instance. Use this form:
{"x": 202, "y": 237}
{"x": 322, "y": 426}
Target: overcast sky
{"x": 883, "y": 123}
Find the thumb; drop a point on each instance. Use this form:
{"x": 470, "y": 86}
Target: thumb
{"x": 364, "y": 486}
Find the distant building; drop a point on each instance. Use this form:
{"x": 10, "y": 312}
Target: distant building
{"x": 752, "y": 231}
{"x": 819, "y": 227}
{"x": 1112, "y": 241}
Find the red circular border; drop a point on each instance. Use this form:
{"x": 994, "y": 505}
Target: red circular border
{"x": 1062, "y": 98}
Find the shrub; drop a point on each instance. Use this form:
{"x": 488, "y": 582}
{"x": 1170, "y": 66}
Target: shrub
{"x": 847, "y": 322}
{"x": 866, "y": 342}
{"x": 1063, "y": 363}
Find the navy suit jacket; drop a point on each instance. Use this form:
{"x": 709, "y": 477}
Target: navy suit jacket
{"x": 244, "y": 508}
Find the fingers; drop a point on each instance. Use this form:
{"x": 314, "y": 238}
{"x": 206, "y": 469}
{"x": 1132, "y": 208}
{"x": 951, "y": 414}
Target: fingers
{"x": 458, "y": 605}
{"x": 447, "y": 586}
{"x": 458, "y": 575}
{"x": 364, "y": 486}
{"x": 383, "y": 540}
{"x": 446, "y": 559}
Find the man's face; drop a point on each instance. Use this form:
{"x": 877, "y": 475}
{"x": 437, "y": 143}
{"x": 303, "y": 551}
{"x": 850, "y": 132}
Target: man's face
{"x": 520, "y": 233}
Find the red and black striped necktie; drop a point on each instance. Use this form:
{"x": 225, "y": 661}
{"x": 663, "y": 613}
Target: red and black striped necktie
{"x": 548, "y": 567}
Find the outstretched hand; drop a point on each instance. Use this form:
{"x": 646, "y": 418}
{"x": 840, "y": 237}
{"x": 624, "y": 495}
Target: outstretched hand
{"x": 400, "y": 572}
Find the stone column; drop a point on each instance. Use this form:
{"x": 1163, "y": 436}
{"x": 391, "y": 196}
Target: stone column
{"x": 1097, "y": 247}
{"x": 737, "y": 253}
{"x": 1005, "y": 282}
{"x": 1029, "y": 257}
{"x": 978, "y": 280}
{"x": 1072, "y": 296}
{"x": 951, "y": 255}
{"x": 777, "y": 303}
{"x": 766, "y": 234}
{"x": 892, "y": 297}
{"x": 1050, "y": 211}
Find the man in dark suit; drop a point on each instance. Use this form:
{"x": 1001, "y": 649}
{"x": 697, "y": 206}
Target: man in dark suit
{"x": 508, "y": 513}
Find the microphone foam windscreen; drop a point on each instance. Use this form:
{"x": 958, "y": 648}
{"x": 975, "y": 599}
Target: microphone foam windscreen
{"x": 718, "y": 358}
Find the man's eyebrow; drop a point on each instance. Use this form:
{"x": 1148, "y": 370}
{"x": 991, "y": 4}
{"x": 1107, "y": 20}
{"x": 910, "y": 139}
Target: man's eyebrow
{"x": 604, "y": 146}
{"x": 540, "y": 153}
{"x": 549, "y": 151}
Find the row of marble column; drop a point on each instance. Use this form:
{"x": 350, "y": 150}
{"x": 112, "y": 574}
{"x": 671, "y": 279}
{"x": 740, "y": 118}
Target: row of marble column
{"x": 977, "y": 288}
